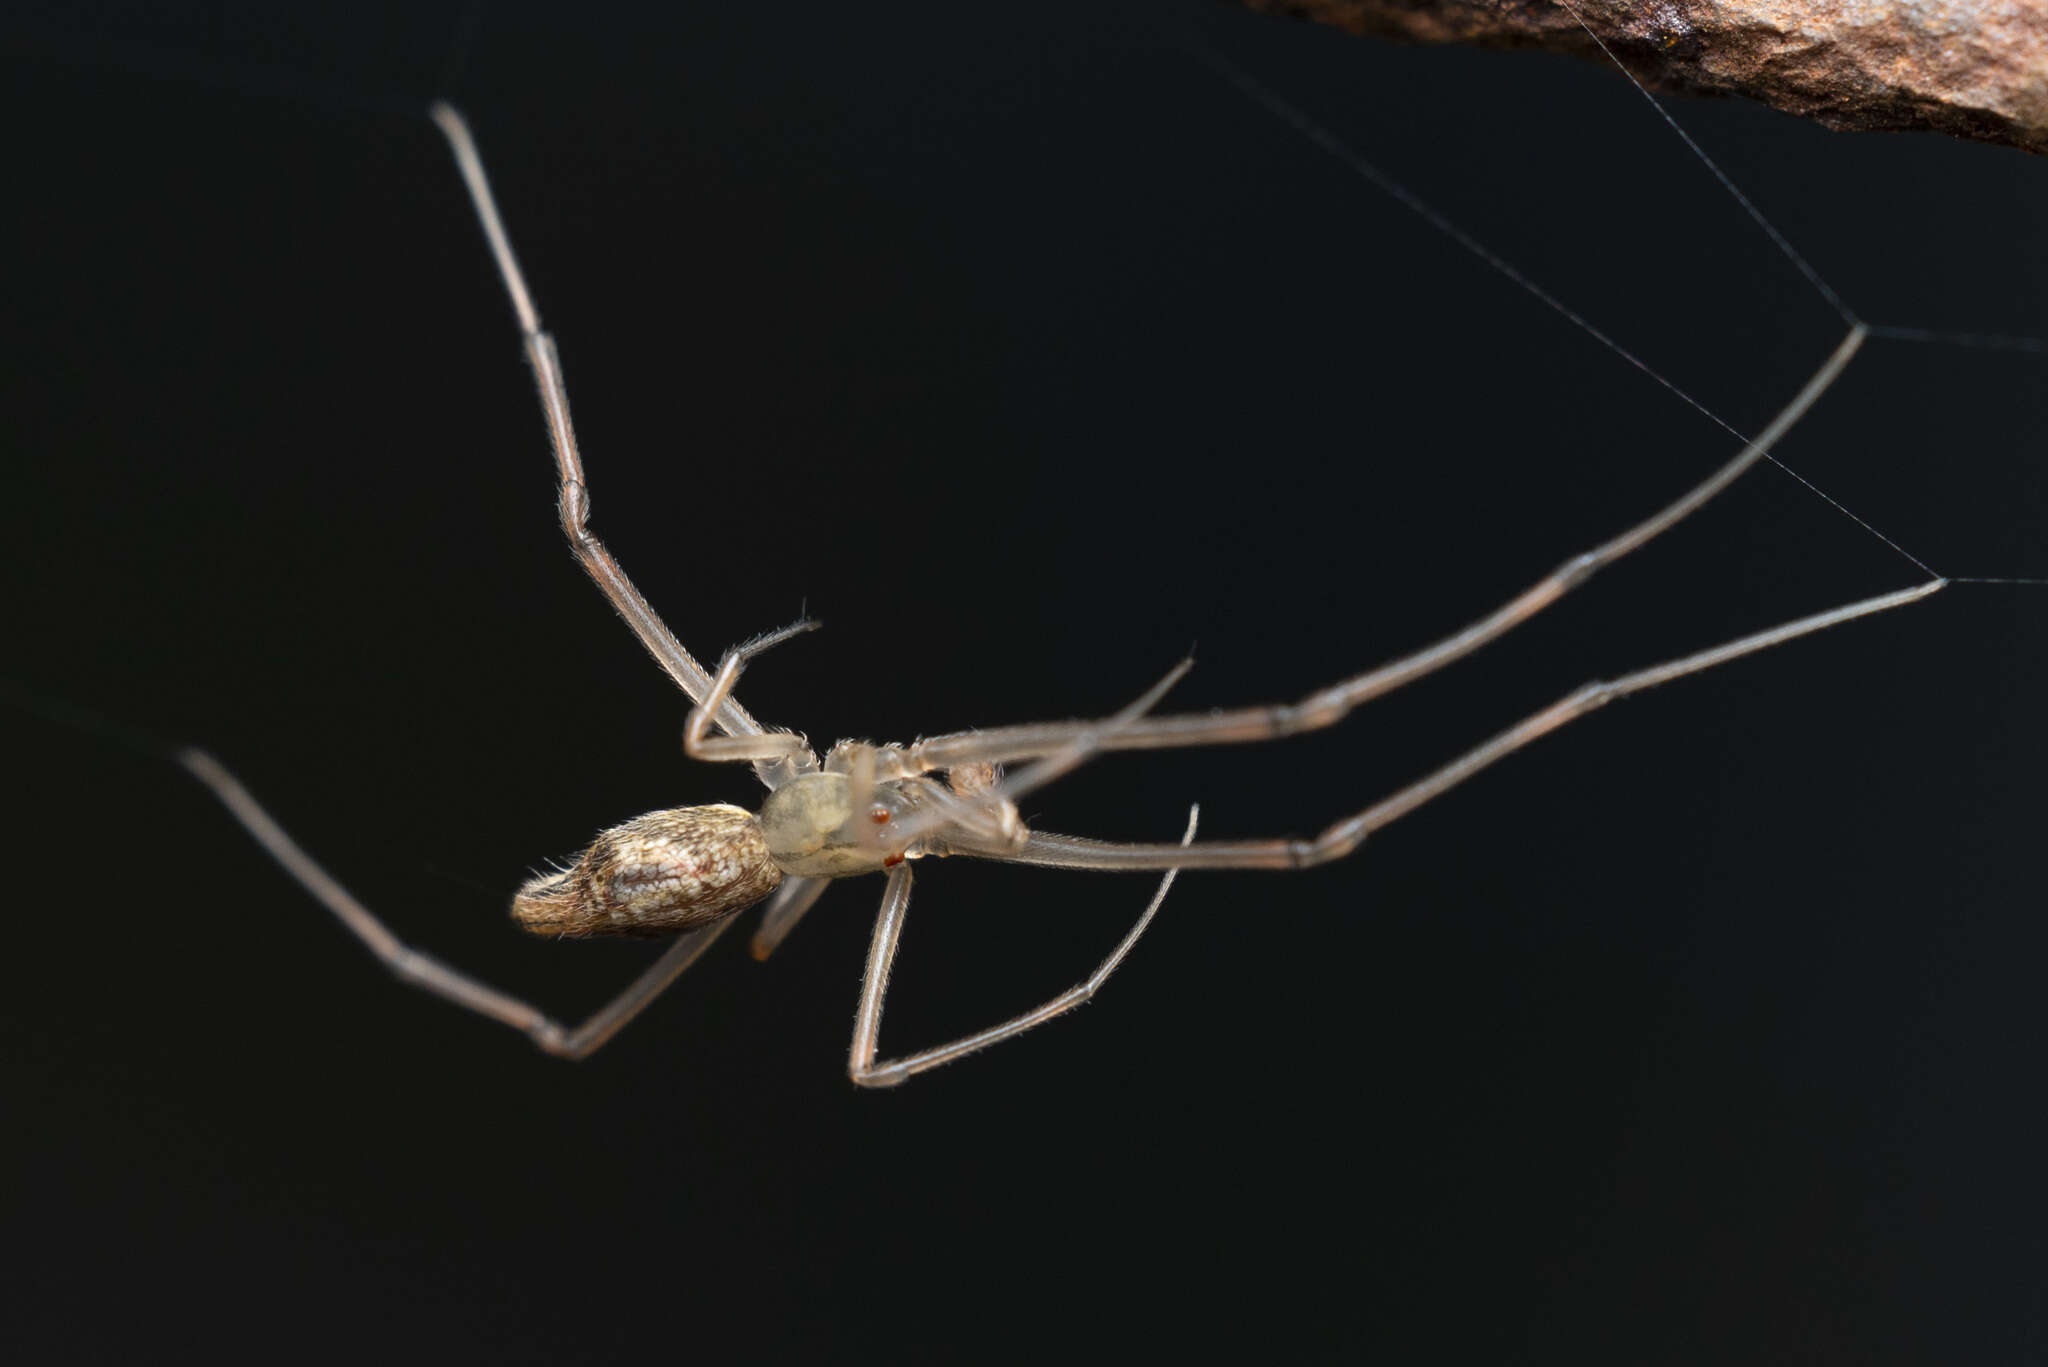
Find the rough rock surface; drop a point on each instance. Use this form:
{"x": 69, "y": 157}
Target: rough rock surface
{"x": 1973, "y": 68}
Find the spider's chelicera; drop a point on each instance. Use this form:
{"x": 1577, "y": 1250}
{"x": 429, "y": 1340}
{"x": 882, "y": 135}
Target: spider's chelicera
{"x": 867, "y": 809}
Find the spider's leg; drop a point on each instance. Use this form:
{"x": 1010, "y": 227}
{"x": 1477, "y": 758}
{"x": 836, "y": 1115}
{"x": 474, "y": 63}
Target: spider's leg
{"x": 861, "y": 1064}
{"x": 574, "y": 502}
{"x": 777, "y": 756}
{"x": 1341, "y": 838}
{"x": 795, "y": 897}
{"x": 970, "y": 817}
{"x": 1330, "y": 705}
{"x": 424, "y": 971}
{"x": 1090, "y": 740}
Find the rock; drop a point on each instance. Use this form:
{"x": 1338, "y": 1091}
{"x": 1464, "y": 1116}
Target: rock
{"x": 1971, "y": 68}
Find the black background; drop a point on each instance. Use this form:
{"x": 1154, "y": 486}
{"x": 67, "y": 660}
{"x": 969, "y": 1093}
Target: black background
{"x": 1027, "y": 352}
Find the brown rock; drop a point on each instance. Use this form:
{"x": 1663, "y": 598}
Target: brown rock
{"x": 1972, "y": 68}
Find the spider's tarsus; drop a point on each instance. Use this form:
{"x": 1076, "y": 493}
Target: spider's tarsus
{"x": 1152, "y": 696}
{"x": 201, "y": 765}
{"x": 88, "y": 722}
{"x": 748, "y": 649}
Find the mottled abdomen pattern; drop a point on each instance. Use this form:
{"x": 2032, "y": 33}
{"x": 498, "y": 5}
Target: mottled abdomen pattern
{"x": 658, "y": 874}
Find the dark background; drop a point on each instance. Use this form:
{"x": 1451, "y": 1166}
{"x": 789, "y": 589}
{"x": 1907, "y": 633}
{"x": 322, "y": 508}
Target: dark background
{"x": 1027, "y": 352}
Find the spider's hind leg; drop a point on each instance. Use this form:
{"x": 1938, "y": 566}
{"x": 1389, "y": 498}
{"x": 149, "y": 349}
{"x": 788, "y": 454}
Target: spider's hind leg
{"x": 426, "y": 972}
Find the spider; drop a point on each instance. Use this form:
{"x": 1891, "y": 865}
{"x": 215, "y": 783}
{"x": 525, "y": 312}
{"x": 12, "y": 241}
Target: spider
{"x": 865, "y": 808}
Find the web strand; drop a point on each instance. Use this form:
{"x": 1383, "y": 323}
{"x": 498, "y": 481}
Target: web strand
{"x": 1320, "y": 136}
{"x": 1979, "y": 340}
{"x": 1813, "y": 277}
{"x": 1984, "y": 341}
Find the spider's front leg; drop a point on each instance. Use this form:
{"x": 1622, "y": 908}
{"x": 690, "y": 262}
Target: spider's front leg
{"x": 1327, "y": 706}
{"x": 1342, "y": 837}
{"x": 977, "y": 806}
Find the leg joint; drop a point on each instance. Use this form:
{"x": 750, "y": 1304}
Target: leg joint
{"x": 552, "y": 1039}
{"x": 876, "y": 1079}
{"x": 1577, "y": 570}
{"x": 574, "y": 506}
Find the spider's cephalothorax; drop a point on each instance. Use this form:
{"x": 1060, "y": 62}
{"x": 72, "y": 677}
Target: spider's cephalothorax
{"x": 817, "y": 826}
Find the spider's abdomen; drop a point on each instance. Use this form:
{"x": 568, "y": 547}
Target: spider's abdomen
{"x": 658, "y": 874}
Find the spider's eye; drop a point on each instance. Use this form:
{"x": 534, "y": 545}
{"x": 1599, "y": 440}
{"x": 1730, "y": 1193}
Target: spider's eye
{"x": 656, "y": 875}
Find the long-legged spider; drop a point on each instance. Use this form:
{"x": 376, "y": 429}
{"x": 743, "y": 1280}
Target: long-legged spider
{"x": 868, "y": 808}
